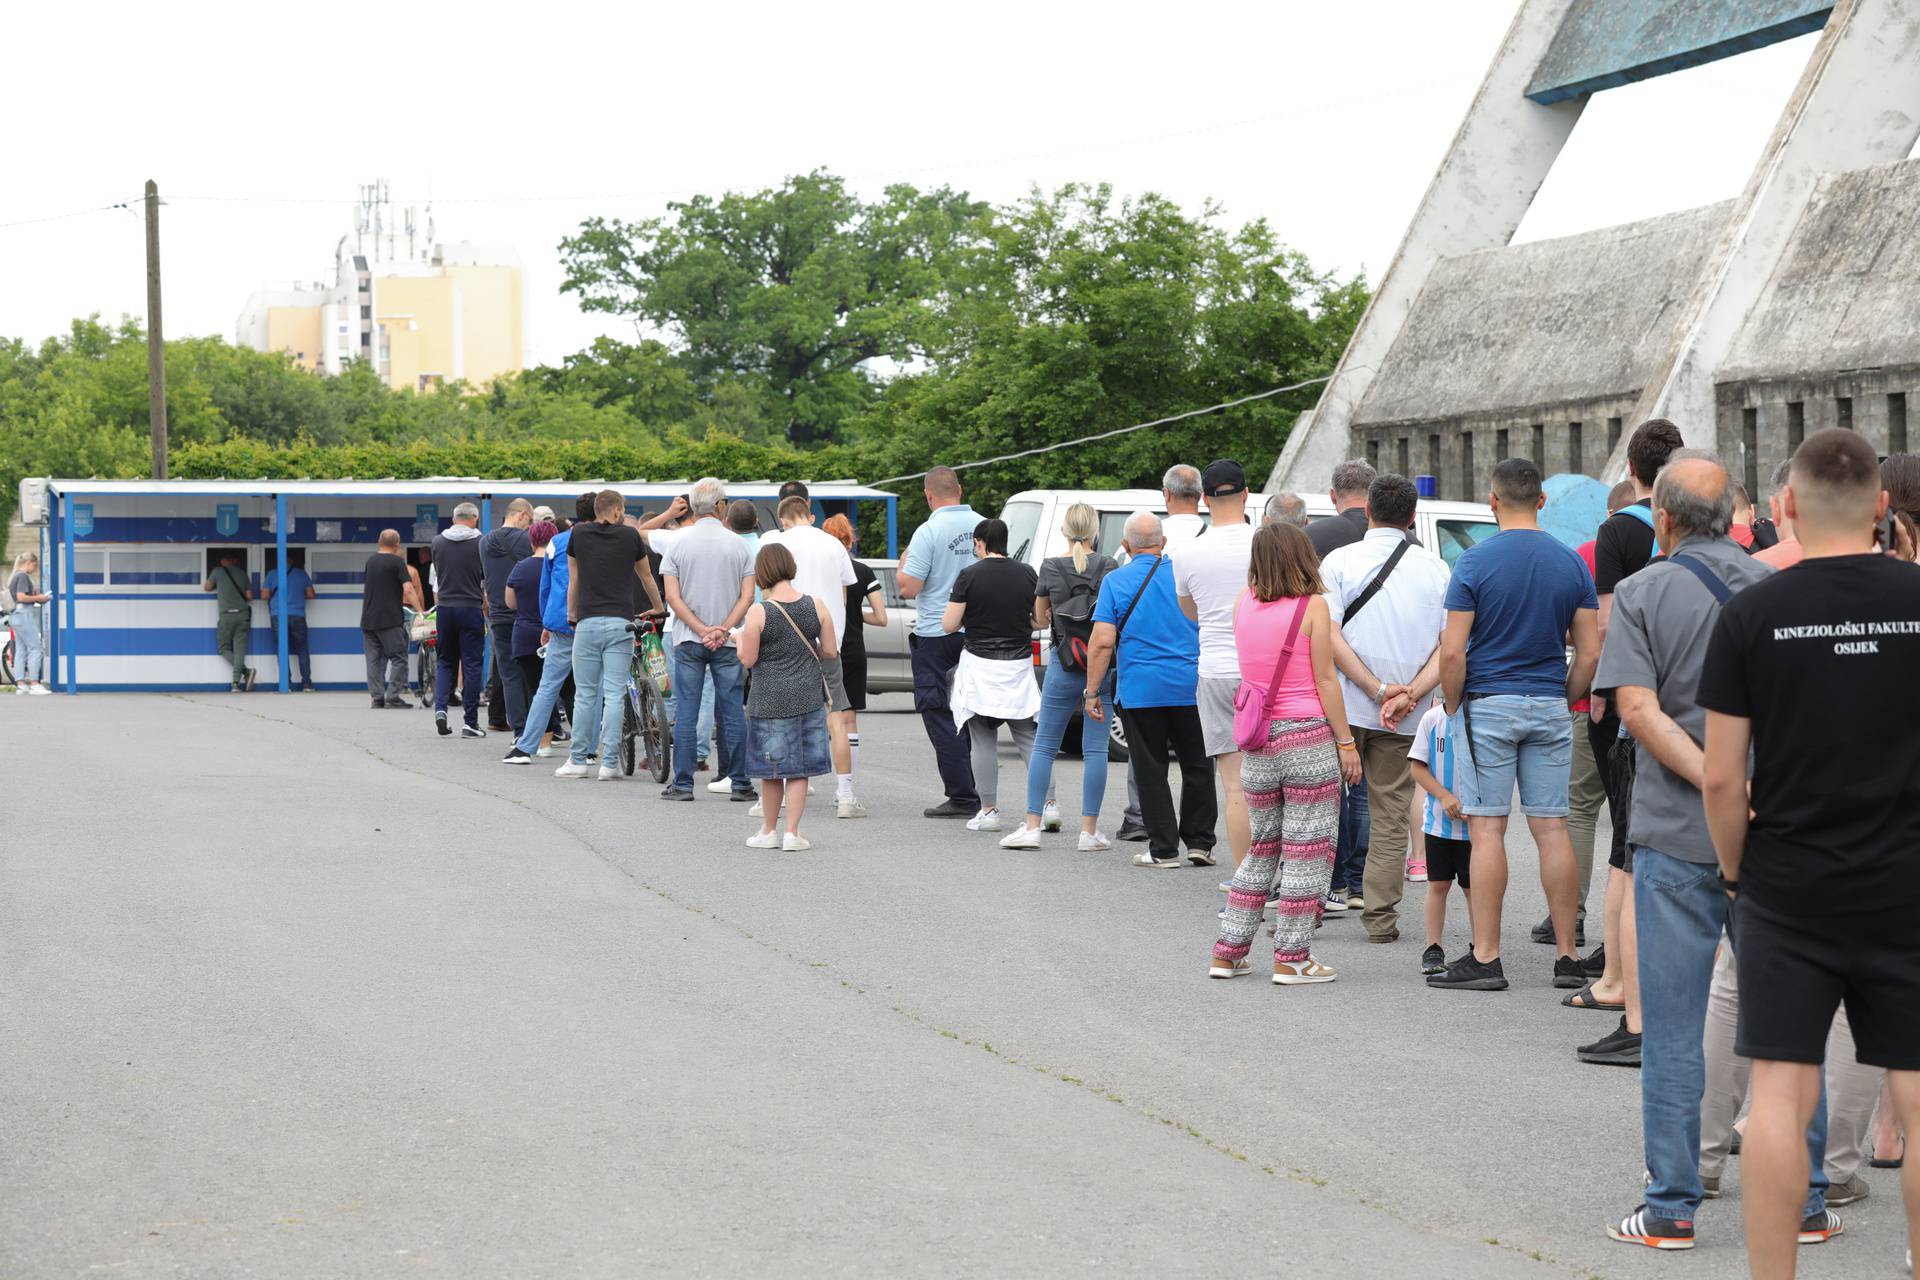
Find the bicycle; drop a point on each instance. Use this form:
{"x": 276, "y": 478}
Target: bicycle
{"x": 423, "y": 629}
{"x": 7, "y": 653}
{"x": 645, "y": 715}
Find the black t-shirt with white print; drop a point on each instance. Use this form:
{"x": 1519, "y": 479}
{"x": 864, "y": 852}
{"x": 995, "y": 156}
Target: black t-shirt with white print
{"x": 1824, "y": 659}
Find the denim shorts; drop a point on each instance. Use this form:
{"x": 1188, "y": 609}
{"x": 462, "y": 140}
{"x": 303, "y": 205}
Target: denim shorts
{"x": 788, "y": 746}
{"x": 1515, "y": 737}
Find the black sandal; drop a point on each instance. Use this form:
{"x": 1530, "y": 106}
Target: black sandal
{"x": 1899, "y": 1161}
{"x": 1583, "y": 999}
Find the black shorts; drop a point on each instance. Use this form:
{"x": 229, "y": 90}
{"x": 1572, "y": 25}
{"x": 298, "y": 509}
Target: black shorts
{"x": 1795, "y": 972}
{"x": 1617, "y": 770}
{"x": 1449, "y": 860}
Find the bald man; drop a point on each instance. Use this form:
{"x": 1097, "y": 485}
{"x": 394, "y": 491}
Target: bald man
{"x": 1139, "y": 620}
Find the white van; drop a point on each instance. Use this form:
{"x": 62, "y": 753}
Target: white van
{"x": 1033, "y": 520}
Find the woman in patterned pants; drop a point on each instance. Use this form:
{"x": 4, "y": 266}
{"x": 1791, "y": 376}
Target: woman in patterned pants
{"x": 1293, "y": 782}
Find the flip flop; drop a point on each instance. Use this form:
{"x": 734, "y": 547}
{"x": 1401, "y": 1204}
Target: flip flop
{"x": 1583, "y": 999}
{"x": 1895, "y": 1163}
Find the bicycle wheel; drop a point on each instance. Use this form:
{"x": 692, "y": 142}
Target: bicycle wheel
{"x": 629, "y": 731}
{"x": 428, "y": 661}
{"x": 6, "y": 661}
{"x": 658, "y": 733}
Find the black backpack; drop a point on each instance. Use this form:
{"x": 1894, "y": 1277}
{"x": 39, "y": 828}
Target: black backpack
{"x": 1073, "y": 622}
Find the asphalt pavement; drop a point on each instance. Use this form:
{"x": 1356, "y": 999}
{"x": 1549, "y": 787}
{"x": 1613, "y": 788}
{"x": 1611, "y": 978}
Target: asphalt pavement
{"x": 293, "y": 988}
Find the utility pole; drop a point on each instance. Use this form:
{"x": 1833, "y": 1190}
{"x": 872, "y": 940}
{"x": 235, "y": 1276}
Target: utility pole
{"x": 156, "y": 342}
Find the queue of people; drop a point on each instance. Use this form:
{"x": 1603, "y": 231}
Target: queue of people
{"x": 1283, "y": 669}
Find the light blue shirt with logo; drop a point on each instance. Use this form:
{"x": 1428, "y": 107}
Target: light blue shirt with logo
{"x": 297, "y": 584}
{"x": 940, "y": 549}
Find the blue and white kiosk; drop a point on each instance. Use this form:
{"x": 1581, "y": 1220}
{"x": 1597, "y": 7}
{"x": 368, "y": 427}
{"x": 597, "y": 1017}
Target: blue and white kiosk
{"x": 126, "y": 559}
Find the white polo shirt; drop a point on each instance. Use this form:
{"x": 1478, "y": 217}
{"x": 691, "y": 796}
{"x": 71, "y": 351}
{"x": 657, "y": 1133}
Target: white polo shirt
{"x": 1398, "y": 630}
{"x": 823, "y": 568}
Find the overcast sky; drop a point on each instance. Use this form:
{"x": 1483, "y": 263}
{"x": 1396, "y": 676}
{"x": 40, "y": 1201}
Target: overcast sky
{"x": 519, "y": 120}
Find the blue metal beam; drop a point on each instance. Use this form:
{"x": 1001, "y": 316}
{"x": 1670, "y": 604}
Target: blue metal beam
{"x": 66, "y": 568}
{"x": 285, "y": 581}
{"x": 893, "y": 528}
{"x": 1603, "y": 44}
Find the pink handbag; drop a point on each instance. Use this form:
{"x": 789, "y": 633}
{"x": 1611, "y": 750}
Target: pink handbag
{"x": 1250, "y": 701}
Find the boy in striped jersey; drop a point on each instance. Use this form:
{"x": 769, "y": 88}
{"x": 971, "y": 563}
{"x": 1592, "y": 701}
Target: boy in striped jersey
{"x": 1449, "y": 851}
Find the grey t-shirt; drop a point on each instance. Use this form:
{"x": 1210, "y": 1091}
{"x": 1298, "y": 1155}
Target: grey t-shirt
{"x": 709, "y": 559}
{"x": 1657, "y": 637}
{"x": 21, "y": 584}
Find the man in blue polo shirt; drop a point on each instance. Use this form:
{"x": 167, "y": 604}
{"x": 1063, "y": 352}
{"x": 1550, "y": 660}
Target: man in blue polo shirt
{"x": 299, "y": 591}
{"x": 939, "y": 550}
{"x": 1158, "y": 646}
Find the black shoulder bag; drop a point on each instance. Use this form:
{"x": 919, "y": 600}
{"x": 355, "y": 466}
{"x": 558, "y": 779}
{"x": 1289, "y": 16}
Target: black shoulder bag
{"x": 1373, "y": 588}
{"x": 1073, "y": 626}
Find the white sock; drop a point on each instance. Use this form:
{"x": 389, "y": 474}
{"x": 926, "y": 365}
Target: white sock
{"x": 846, "y": 786}
{"x": 853, "y": 751}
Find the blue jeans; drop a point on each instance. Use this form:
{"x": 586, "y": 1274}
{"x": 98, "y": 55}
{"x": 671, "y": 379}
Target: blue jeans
{"x": 298, "y": 649}
{"x": 29, "y": 650}
{"x": 559, "y": 665}
{"x": 1060, "y": 696}
{"x": 602, "y": 661}
{"x": 701, "y": 744}
{"x": 693, "y": 662}
{"x": 1356, "y": 825}
{"x": 1523, "y": 737}
{"x": 1680, "y": 911}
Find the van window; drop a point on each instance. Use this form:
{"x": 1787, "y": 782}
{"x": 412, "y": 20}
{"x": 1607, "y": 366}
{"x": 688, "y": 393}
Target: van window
{"x": 1113, "y": 527}
{"x": 1455, "y": 536}
{"x": 1023, "y": 523}
{"x": 889, "y": 584}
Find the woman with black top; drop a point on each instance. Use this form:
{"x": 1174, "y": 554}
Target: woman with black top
{"x": 1067, "y": 589}
{"x": 993, "y": 685}
{"x": 866, "y": 607}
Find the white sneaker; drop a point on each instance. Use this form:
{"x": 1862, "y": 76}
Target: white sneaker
{"x": 757, "y": 812}
{"x": 1024, "y": 837}
{"x": 543, "y": 752}
{"x": 792, "y": 843}
{"x": 609, "y": 775}
{"x": 720, "y": 786}
{"x": 1050, "y": 817}
{"x": 20, "y": 688}
{"x": 570, "y": 770}
{"x": 985, "y": 820}
{"x": 40, "y": 691}
{"x": 849, "y": 807}
{"x": 764, "y": 840}
{"x": 1094, "y": 842}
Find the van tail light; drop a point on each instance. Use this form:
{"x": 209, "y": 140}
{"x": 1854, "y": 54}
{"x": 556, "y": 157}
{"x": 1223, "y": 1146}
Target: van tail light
{"x": 1036, "y": 653}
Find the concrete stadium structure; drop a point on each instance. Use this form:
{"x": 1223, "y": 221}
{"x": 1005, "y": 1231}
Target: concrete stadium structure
{"x": 1749, "y": 322}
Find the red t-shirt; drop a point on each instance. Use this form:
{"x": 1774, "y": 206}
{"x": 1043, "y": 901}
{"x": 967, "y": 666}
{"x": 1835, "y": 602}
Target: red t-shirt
{"x": 1585, "y": 552}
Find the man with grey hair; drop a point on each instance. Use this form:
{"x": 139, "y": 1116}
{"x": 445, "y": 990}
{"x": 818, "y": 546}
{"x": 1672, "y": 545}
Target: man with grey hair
{"x": 1650, "y": 664}
{"x": 499, "y": 552}
{"x": 1351, "y": 480}
{"x": 1138, "y": 620}
{"x": 1180, "y": 490}
{"x": 460, "y": 602}
{"x": 709, "y": 588}
{"x": 1286, "y": 508}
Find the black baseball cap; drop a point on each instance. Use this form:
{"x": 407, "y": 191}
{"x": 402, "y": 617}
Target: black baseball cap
{"x": 1222, "y": 479}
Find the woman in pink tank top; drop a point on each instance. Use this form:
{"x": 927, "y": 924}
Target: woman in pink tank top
{"x": 1292, "y": 784}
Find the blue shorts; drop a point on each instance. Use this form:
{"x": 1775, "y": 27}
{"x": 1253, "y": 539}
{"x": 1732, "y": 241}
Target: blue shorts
{"x": 1515, "y": 737}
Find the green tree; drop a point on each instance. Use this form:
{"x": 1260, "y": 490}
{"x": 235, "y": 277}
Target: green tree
{"x": 794, "y": 292}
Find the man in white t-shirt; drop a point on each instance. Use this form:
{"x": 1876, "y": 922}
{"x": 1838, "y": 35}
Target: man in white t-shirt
{"x": 824, "y": 569}
{"x": 1209, "y": 575}
{"x": 1180, "y": 490}
{"x": 1386, "y": 646}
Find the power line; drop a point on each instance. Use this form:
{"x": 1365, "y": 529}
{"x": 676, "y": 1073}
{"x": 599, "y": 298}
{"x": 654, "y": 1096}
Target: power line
{"x": 77, "y": 213}
{"x": 1117, "y": 431}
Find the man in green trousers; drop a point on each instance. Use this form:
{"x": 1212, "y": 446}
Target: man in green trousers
{"x": 235, "y": 615}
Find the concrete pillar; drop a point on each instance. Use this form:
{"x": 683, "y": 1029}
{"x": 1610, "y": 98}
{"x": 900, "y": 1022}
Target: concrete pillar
{"x": 1857, "y": 104}
{"x": 1493, "y": 170}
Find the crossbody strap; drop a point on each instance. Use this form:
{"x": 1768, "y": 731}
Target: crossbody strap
{"x": 1135, "y": 602}
{"x": 796, "y": 630}
{"x": 1286, "y": 650}
{"x": 1379, "y": 580}
{"x": 1721, "y": 592}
